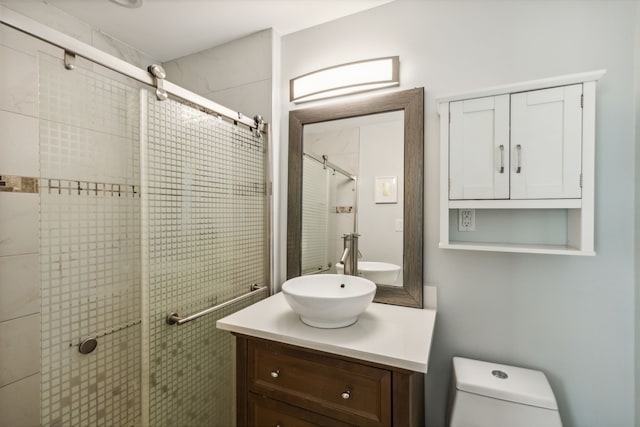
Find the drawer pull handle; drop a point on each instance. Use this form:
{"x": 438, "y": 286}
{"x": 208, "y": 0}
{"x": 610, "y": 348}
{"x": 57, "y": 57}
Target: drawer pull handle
{"x": 276, "y": 373}
{"x": 346, "y": 394}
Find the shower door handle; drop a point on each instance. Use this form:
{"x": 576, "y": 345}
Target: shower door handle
{"x": 173, "y": 318}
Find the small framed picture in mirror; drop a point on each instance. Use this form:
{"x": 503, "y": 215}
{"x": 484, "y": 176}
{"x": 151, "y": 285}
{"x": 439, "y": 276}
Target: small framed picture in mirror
{"x": 386, "y": 189}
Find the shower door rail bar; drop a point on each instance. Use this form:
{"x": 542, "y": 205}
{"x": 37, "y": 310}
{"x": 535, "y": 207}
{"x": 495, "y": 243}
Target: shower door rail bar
{"x": 71, "y": 45}
{"x": 174, "y": 319}
{"x": 324, "y": 161}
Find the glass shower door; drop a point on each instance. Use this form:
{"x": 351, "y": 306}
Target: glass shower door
{"x": 205, "y": 242}
{"x": 90, "y": 233}
{"x": 146, "y": 208}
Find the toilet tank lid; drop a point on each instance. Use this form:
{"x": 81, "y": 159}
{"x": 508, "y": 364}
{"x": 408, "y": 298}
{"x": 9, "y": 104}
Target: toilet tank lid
{"x": 524, "y": 386}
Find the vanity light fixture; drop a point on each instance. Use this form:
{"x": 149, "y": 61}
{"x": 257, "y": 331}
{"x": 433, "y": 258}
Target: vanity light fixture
{"x": 345, "y": 79}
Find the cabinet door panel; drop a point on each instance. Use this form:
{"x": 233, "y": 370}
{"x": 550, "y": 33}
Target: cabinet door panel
{"x": 318, "y": 383}
{"x": 546, "y": 143}
{"x": 479, "y": 148}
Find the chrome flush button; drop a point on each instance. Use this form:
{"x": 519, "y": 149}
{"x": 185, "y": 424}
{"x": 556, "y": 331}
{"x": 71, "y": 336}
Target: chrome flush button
{"x": 499, "y": 374}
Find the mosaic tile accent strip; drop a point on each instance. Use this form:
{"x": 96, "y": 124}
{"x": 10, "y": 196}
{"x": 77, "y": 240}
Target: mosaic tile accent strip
{"x": 90, "y": 243}
{"x": 61, "y": 186}
{"x": 18, "y": 184}
{"x": 206, "y": 218}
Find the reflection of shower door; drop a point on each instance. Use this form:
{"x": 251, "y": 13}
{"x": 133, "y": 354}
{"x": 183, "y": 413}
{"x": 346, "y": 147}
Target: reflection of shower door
{"x": 204, "y": 242}
{"x": 315, "y": 217}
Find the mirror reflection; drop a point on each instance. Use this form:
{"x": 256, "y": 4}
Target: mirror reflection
{"x": 352, "y": 189}
{"x": 382, "y": 199}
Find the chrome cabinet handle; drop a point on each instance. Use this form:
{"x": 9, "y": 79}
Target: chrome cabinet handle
{"x": 276, "y": 373}
{"x": 346, "y": 394}
{"x": 501, "y": 148}
{"x": 519, "y": 158}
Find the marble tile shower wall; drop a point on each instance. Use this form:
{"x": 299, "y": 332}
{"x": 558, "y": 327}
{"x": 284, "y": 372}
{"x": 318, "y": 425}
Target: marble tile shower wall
{"x": 19, "y": 236}
{"x": 237, "y": 74}
{"x": 20, "y": 314}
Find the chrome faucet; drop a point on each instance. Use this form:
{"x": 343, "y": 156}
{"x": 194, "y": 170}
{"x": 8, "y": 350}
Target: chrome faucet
{"x": 344, "y": 256}
{"x": 350, "y": 254}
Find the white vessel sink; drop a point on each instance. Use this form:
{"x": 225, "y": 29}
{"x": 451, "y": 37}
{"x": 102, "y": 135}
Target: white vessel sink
{"x": 382, "y": 273}
{"x": 329, "y": 300}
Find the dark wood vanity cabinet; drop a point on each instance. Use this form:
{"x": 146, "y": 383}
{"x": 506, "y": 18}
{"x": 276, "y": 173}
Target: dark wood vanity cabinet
{"x": 284, "y": 385}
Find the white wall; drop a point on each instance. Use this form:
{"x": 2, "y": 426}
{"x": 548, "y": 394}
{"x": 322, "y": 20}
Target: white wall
{"x": 380, "y": 156}
{"x": 572, "y": 317}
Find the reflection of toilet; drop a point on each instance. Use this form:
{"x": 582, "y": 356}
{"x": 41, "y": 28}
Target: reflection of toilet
{"x": 381, "y": 273}
{"x": 490, "y": 395}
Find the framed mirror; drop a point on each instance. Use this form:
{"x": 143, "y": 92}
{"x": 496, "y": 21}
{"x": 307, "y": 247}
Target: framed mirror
{"x": 361, "y": 188}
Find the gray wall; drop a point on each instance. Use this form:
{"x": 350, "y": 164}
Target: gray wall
{"x": 572, "y": 317}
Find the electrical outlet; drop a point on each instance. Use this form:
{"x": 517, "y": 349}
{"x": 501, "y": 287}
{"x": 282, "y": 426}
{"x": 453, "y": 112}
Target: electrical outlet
{"x": 466, "y": 220}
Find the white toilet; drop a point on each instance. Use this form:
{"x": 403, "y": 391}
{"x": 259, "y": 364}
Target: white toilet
{"x": 491, "y": 395}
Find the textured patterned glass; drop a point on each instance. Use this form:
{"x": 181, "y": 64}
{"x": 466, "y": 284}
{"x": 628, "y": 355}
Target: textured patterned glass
{"x": 119, "y": 249}
{"x": 205, "y": 216}
{"x": 89, "y": 245}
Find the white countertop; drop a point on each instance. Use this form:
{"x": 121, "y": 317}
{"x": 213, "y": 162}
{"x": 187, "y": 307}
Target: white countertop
{"x": 386, "y": 334}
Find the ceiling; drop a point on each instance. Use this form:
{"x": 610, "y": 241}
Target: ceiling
{"x": 169, "y": 29}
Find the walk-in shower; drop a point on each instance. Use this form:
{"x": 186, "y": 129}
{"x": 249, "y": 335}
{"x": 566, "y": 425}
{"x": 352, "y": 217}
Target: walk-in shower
{"x": 147, "y": 207}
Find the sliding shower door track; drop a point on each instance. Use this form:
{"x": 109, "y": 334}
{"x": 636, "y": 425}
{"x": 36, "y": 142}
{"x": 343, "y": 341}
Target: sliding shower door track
{"x": 78, "y": 48}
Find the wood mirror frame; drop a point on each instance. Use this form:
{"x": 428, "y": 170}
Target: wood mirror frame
{"x": 412, "y": 103}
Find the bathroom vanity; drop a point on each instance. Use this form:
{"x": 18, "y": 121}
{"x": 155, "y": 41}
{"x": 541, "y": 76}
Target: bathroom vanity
{"x": 368, "y": 374}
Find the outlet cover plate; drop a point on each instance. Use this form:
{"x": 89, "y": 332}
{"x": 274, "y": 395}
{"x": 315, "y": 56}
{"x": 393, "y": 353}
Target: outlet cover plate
{"x": 466, "y": 220}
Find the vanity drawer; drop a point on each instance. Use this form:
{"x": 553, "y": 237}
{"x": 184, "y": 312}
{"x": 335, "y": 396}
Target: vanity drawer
{"x": 351, "y": 392}
{"x": 264, "y": 411}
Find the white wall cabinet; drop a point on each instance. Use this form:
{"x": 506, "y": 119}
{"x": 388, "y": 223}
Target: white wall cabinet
{"x": 522, "y": 152}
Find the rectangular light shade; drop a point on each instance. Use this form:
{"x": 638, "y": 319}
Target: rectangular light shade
{"x": 345, "y": 79}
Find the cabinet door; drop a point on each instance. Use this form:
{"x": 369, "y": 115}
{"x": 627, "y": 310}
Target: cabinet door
{"x": 546, "y": 143}
{"x": 479, "y": 148}
{"x": 318, "y": 383}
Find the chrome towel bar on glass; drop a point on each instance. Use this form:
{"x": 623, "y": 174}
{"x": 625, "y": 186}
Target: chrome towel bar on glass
{"x": 174, "y": 319}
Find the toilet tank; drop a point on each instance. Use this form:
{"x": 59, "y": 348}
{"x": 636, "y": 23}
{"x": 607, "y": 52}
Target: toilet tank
{"x": 485, "y": 394}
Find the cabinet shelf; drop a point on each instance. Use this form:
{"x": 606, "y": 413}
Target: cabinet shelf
{"x": 518, "y": 248}
{"x": 516, "y": 204}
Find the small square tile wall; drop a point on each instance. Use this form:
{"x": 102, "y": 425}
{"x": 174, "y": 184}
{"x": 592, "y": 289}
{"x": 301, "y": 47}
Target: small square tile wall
{"x": 90, "y": 244}
{"x": 206, "y": 219}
